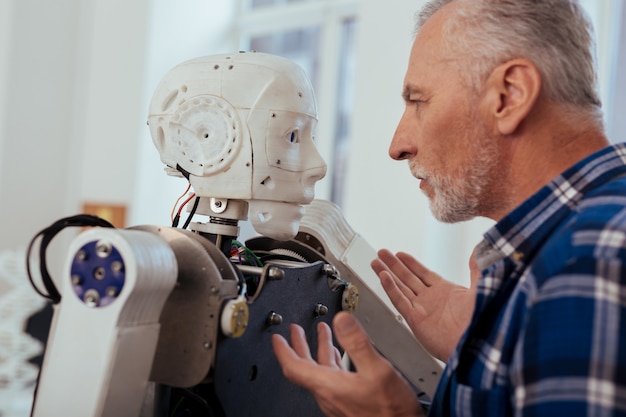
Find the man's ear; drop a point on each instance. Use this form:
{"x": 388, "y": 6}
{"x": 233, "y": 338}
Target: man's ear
{"x": 512, "y": 90}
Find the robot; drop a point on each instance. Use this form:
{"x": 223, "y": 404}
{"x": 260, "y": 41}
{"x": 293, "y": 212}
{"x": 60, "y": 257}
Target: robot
{"x": 170, "y": 321}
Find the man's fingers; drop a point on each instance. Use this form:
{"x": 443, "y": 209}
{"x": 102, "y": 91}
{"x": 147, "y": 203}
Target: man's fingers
{"x": 299, "y": 342}
{"x": 355, "y": 342}
{"x": 412, "y": 280}
{"x": 417, "y": 268}
{"x": 327, "y": 353}
{"x": 407, "y": 305}
{"x": 397, "y": 292}
{"x": 295, "y": 368}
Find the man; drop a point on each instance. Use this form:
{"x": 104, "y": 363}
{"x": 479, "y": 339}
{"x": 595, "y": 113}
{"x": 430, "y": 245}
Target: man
{"x": 502, "y": 120}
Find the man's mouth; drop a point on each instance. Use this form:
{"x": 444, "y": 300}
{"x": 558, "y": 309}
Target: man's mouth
{"x": 419, "y": 174}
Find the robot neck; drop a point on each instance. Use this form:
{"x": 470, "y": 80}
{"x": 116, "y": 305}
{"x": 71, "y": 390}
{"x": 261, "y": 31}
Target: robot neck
{"x": 223, "y": 224}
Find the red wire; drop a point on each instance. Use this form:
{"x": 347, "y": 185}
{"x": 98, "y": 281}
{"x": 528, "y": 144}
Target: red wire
{"x": 177, "y": 200}
{"x": 180, "y": 209}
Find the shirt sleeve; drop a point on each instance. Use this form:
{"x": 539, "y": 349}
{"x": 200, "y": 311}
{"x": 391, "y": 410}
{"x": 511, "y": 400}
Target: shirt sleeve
{"x": 571, "y": 358}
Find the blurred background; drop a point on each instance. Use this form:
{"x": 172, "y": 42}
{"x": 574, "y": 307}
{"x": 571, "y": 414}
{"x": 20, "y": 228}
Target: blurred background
{"x": 76, "y": 77}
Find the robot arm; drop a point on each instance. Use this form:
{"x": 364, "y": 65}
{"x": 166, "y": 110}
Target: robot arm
{"x": 325, "y": 228}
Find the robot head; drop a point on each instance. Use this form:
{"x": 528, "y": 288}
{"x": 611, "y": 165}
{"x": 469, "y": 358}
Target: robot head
{"x": 240, "y": 127}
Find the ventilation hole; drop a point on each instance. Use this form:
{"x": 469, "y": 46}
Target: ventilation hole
{"x": 247, "y": 164}
{"x": 269, "y": 183}
{"x": 216, "y": 66}
{"x": 206, "y": 135}
{"x": 253, "y": 373}
{"x": 273, "y": 114}
{"x": 278, "y": 162}
{"x": 231, "y": 67}
{"x": 299, "y": 94}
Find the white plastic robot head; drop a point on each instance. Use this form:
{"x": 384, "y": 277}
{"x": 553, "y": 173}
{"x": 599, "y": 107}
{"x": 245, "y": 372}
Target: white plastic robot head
{"x": 240, "y": 127}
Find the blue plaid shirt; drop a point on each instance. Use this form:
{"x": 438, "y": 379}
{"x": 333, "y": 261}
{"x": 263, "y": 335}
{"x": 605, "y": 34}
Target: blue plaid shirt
{"x": 548, "y": 334}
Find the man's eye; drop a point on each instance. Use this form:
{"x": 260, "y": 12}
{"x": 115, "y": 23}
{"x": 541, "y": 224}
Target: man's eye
{"x": 416, "y": 103}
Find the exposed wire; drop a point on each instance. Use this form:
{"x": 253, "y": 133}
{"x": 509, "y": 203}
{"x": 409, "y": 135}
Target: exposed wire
{"x": 47, "y": 235}
{"x": 193, "y": 209}
{"x": 191, "y": 401}
{"x": 239, "y": 249}
{"x": 177, "y": 201}
{"x": 180, "y": 210}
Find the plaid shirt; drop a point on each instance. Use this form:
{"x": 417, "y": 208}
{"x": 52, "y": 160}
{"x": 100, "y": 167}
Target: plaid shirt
{"x": 548, "y": 334}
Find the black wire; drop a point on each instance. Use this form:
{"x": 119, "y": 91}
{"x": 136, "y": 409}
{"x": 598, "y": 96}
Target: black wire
{"x": 192, "y": 212}
{"x": 193, "y": 402}
{"x": 47, "y": 235}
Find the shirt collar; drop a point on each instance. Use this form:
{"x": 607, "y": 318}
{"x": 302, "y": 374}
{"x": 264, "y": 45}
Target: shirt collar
{"x": 518, "y": 234}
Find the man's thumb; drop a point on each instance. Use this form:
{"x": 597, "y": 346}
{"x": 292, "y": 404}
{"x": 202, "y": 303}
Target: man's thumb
{"x": 353, "y": 339}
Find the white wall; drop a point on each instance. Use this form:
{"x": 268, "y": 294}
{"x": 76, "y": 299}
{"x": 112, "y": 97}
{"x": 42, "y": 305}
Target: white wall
{"x": 607, "y": 18}
{"x": 6, "y": 13}
{"x": 38, "y": 51}
{"x": 618, "y": 104}
{"x": 75, "y": 81}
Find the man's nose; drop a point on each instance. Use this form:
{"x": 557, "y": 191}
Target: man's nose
{"x": 402, "y": 145}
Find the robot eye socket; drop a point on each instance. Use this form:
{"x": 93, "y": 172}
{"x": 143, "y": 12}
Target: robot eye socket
{"x": 294, "y": 137}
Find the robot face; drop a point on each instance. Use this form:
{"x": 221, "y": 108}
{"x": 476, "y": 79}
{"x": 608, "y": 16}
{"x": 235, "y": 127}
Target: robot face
{"x": 291, "y": 164}
{"x": 240, "y": 126}
{"x": 286, "y": 162}
{"x": 284, "y": 179}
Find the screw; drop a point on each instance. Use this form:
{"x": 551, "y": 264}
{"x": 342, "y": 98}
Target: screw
{"x": 274, "y": 319}
{"x": 330, "y": 270}
{"x": 99, "y": 273}
{"x": 275, "y": 273}
{"x": 321, "y": 310}
{"x": 103, "y": 249}
{"x": 76, "y": 279}
{"x": 92, "y": 298}
{"x": 116, "y": 266}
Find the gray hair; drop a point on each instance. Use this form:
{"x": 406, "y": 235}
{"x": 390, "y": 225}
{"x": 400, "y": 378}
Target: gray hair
{"x": 556, "y": 35}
